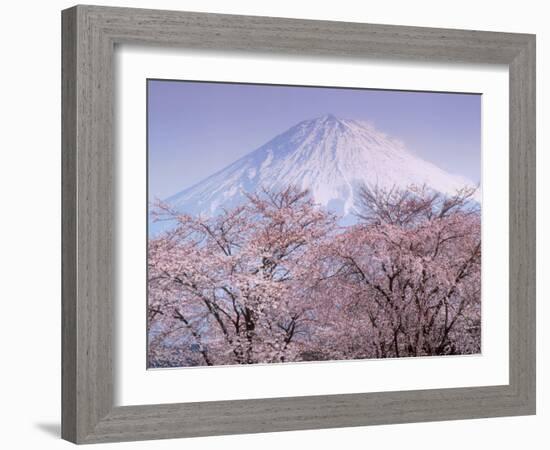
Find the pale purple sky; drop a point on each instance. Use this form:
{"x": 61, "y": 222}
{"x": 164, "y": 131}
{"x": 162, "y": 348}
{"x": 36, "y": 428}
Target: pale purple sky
{"x": 197, "y": 128}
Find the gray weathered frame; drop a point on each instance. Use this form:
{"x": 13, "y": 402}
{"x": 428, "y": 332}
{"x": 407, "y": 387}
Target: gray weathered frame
{"x": 89, "y": 36}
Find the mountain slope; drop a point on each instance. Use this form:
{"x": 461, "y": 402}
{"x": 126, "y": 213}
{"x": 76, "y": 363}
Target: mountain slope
{"x": 329, "y": 156}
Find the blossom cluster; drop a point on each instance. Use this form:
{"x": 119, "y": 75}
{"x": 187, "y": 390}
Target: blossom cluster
{"x": 277, "y": 279}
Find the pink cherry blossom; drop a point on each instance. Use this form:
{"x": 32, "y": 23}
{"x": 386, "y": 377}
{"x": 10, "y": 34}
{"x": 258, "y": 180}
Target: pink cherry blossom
{"x": 277, "y": 280}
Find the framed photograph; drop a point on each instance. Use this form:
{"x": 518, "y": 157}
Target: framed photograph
{"x": 278, "y": 224}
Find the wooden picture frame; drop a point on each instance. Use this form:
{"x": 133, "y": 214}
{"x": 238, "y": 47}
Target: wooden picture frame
{"x": 90, "y": 34}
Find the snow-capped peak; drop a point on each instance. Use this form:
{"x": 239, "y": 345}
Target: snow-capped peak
{"x": 329, "y": 156}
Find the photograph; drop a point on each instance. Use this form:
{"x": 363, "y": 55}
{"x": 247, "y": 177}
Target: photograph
{"x": 292, "y": 224}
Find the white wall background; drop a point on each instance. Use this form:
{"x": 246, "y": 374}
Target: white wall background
{"x": 30, "y": 227}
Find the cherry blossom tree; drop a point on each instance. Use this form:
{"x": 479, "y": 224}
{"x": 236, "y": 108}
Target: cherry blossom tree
{"x": 236, "y": 285}
{"x": 407, "y": 276}
{"x": 276, "y": 279}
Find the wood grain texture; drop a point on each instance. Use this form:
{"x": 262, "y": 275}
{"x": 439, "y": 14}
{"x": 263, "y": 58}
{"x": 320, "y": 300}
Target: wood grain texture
{"x": 68, "y": 226}
{"x": 89, "y": 37}
{"x": 523, "y": 224}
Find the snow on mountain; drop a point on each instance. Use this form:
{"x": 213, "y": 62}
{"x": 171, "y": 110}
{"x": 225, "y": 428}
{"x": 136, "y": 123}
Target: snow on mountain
{"x": 329, "y": 156}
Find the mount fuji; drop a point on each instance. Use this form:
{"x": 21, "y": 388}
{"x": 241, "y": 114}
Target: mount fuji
{"x": 329, "y": 156}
